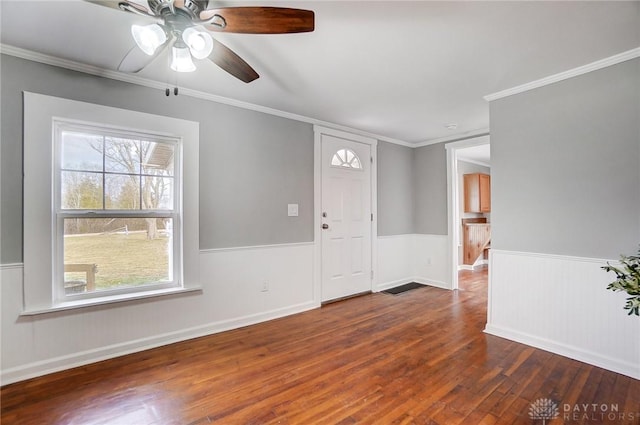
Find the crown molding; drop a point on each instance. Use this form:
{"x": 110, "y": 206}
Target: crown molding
{"x": 593, "y": 66}
{"x": 455, "y": 137}
{"x": 145, "y": 82}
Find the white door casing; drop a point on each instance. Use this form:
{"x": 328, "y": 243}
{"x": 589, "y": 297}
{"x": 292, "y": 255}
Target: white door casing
{"x": 345, "y": 222}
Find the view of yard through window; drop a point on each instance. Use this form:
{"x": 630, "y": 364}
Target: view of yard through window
{"x": 122, "y": 258}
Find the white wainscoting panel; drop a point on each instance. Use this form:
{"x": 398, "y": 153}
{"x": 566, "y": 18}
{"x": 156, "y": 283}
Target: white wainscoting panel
{"x": 232, "y": 297}
{"x": 395, "y": 261}
{"x": 412, "y": 258}
{"x": 431, "y": 260}
{"x": 561, "y": 304}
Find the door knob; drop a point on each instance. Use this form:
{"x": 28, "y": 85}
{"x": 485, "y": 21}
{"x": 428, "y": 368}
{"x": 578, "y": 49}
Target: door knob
{"x": 325, "y": 226}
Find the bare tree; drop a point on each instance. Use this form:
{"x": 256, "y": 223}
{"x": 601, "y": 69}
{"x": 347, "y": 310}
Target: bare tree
{"x": 130, "y": 158}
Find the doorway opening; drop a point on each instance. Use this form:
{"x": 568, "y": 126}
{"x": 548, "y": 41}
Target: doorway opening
{"x": 469, "y": 156}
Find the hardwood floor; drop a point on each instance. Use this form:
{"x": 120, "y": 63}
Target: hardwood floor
{"x": 416, "y": 358}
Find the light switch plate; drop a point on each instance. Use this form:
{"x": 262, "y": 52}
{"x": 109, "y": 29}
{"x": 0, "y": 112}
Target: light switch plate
{"x": 292, "y": 210}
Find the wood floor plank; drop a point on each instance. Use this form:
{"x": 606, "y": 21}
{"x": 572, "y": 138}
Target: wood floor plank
{"x": 416, "y": 358}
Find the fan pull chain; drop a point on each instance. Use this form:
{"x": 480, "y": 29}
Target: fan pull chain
{"x": 167, "y": 91}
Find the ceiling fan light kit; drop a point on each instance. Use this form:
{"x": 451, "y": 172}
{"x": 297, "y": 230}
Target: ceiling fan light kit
{"x": 185, "y": 26}
{"x": 148, "y": 37}
{"x": 181, "y": 58}
{"x": 200, "y": 42}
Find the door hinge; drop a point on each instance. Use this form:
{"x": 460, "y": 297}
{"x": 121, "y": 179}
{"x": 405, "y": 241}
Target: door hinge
{"x": 371, "y": 274}
{"x": 372, "y": 160}
{"x": 371, "y": 216}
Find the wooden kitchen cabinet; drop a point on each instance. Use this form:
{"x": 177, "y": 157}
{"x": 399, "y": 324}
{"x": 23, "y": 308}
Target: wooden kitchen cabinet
{"x": 476, "y": 238}
{"x": 477, "y": 193}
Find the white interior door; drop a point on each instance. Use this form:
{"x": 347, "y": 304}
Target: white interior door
{"x": 346, "y": 217}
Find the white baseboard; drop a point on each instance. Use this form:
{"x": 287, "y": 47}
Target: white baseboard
{"x": 572, "y": 352}
{"x": 57, "y": 364}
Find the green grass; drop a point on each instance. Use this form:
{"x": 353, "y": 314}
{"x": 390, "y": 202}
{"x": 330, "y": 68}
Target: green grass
{"x": 123, "y": 260}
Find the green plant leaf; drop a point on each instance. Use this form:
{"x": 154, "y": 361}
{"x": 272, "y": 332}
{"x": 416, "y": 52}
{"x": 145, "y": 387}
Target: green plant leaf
{"x": 627, "y": 280}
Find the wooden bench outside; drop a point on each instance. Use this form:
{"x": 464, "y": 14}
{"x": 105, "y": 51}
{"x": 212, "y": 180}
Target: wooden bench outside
{"x": 89, "y": 270}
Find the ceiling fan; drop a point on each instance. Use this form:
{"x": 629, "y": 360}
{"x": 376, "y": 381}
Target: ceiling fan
{"x": 185, "y": 25}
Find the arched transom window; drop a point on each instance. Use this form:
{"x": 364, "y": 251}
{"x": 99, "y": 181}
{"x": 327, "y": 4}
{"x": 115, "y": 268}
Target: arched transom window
{"x": 346, "y": 158}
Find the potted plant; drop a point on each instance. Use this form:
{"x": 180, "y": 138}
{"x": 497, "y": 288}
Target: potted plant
{"x": 628, "y": 280}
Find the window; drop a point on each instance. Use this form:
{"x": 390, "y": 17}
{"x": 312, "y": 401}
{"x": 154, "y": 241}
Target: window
{"x": 116, "y": 205}
{"x": 346, "y": 158}
{"x": 110, "y": 204}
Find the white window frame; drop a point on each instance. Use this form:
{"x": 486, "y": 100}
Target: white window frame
{"x": 39, "y": 218}
{"x": 175, "y": 213}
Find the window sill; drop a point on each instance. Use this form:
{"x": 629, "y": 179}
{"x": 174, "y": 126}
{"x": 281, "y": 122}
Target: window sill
{"x": 110, "y": 299}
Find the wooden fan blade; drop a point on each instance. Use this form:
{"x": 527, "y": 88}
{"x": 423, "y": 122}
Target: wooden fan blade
{"x": 135, "y": 60}
{"x": 259, "y": 20}
{"x": 226, "y": 59}
{"x": 124, "y": 5}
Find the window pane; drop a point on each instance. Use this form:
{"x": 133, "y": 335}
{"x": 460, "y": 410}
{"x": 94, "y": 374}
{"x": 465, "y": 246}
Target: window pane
{"x": 122, "y": 192}
{"x": 157, "y": 193}
{"x": 350, "y": 156}
{"x": 81, "y": 151}
{"x": 122, "y": 155}
{"x": 108, "y": 253}
{"x": 81, "y": 190}
{"x": 157, "y": 158}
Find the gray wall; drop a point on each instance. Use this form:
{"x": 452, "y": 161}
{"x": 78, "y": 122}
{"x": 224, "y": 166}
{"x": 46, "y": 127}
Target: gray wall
{"x": 251, "y": 164}
{"x": 566, "y": 166}
{"x": 395, "y": 189}
{"x": 430, "y": 190}
{"x": 412, "y": 190}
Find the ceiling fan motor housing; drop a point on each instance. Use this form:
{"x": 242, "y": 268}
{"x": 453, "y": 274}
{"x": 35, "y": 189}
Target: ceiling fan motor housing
{"x": 191, "y": 7}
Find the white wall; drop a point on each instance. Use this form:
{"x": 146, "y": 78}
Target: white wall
{"x": 412, "y": 258}
{"x": 561, "y": 304}
{"x": 232, "y": 280}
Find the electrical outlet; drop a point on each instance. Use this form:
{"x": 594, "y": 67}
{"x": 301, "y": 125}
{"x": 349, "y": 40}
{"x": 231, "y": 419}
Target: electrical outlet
{"x": 265, "y": 286}
{"x": 429, "y": 260}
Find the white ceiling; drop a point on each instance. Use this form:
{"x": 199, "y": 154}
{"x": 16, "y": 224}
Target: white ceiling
{"x": 401, "y": 70}
{"x": 476, "y": 154}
